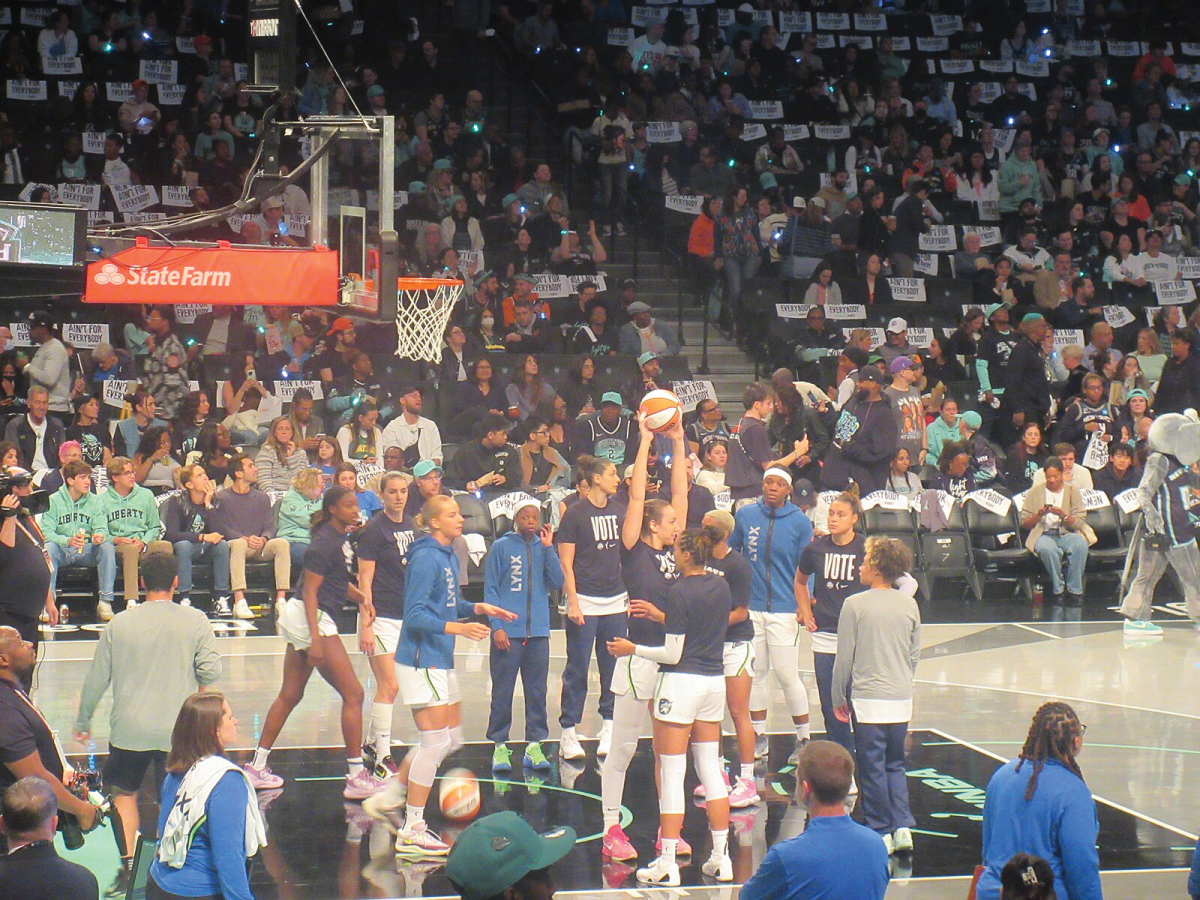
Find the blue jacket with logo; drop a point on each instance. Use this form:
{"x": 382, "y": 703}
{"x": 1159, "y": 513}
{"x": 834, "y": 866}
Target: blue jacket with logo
{"x": 771, "y": 540}
{"x": 431, "y": 599}
{"x": 518, "y": 575}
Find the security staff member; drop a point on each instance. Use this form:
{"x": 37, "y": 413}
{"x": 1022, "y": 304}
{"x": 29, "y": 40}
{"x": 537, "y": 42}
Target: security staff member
{"x": 25, "y": 587}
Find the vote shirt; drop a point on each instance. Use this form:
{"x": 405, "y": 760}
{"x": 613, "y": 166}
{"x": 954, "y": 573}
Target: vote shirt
{"x": 736, "y": 572}
{"x": 834, "y": 572}
{"x": 386, "y": 544}
{"x": 330, "y": 556}
{"x": 698, "y": 608}
{"x": 647, "y": 574}
{"x": 596, "y": 533}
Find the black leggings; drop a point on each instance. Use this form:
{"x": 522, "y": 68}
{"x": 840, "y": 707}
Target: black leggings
{"x": 155, "y": 892}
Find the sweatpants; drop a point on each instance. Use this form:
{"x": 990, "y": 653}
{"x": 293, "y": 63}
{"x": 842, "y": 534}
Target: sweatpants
{"x": 1151, "y": 565}
{"x": 531, "y": 658}
{"x": 836, "y": 729}
{"x": 882, "y": 781}
{"x": 595, "y": 632}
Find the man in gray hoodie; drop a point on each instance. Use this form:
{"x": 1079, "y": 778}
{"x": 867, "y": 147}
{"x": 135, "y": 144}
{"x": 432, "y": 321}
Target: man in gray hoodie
{"x": 50, "y": 367}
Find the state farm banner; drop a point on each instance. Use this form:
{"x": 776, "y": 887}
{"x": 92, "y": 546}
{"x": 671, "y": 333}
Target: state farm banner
{"x": 217, "y": 275}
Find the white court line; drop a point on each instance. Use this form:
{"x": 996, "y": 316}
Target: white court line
{"x": 1043, "y": 694}
{"x": 1096, "y": 797}
{"x": 1057, "y": 637}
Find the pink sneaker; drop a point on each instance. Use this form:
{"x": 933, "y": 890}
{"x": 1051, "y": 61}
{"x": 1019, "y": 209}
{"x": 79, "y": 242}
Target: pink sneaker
{"x": 700, "y": 792}
{"x": 420, "y": 841}
{"x": 683, "y": 848}
{"x": 744, "y": 794}
{"x": 363, "y": 785}
{"x": 262, "y": 779}
{"x": 616, "y": 844}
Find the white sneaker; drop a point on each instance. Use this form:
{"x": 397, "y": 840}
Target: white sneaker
{"x": 130, "y": 604}
{"x": 569, "y": 746}
{"x": 363, "y": 785}
{"x": 185, "y": 601}
{"x": 104, "y": 611}
{"x": 762, "y": 746}
{"x": 220, "y": 608}
{"x": 662, "y": 873}
{"x": 903, "y": 840}
{"x": 241, "y": 610}
{"x": 604, "y": 738}
{"x": 388, "y": 802}
{"x": 890, "y": 843}
{"x": 420, "y": 841}
{"x": 718, "y": 867}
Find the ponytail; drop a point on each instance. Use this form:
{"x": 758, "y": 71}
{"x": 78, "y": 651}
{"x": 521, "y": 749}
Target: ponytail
{"x": 434, "y": 507}
{"x": 698, "y": 543}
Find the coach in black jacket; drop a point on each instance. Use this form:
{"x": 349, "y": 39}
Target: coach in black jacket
{"x": 32, "y": 870}
{"x": 19, "y": 431}
{"x": 1027, "y": 387}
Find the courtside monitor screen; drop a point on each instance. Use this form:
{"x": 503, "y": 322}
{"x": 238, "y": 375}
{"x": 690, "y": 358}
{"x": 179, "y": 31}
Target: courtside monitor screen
{"x": 34, "y": 234}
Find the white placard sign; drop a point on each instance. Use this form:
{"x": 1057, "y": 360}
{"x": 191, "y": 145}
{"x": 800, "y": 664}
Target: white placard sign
{"x": 766, "y": 109}
{"x": 907, "y": 290}
{"x": 144, "y": 216}
{"x": 187, "y": 313}
{"x": 286, "y": 389}
{"x": 85, "y": 195}
{"x": 692, "y": 392}
{"x": 159, "y": 71}
{"x": 1095, "y": 457}
{"x": 792, "y": 310}
{"x": 133, "y": 198}
{"x": 644, "y": 16}
{"x": 100, "y": 218}
{"x": 938, "y": 239}
{"x": 20, "y": 334}
{"x": 36, "y": 16}
{"x": 119, "y": 91}
{"x": 752, "y": 131}
{"x": 620, "y": 37}
{"x": 1083, "y": 48}
{"x": 662, "y": 132}
{"x": 177, "y": 196}
{"x": 1005, "y": 138}
{"x": 831, "y": 132}
{"x": 506, "y": 504}
{"x": 933, "y": 44}
{"x": 1189, "y": 266}
{"x": 1173, "y": 293}
{"x": 171, "y": 94}
{"x": 793, "y": 133}
{"x": 1093, "y": 500}
{"x": 858, "y": 40}
{"x": 1124, "y": 48}
{"x": 185, "y": 45}
{"x": 366, "y": 471}
{"x": 901, "y": 43}
{"x": 27, "y": 192}
{"x": 1128, "y": 501}
{"x": 870, "y": 22}
{"x": 943, "y": 26}
{"x": 1065, "y": 336}
{"x": 723, "y": 500}
{"x": 846, "y": 312}
{"x": 1038, "y": 68}
{"x": 93, "y": 142}
{"x": 85, "y": 334}
{"x": 920, "y": 337}
{"x": 926, "y": 264}
{"x": 796, "y": 22}
{"x": 877, "y": 335}
{"x": 885, "y": 500}
{"x": 833, "y": 21}
{"x": 988, "y": 236}
{"x": 685, "y": 203}
{"x": 115, "y": 390}
{"x": 1116, "y": 316}
{"x": 825, "y": 42}
{"x": 25, "y": 89}
{"x": 63, "y": 65}
{"x": 993, "y": 501}
{"x": 957, "y": 66}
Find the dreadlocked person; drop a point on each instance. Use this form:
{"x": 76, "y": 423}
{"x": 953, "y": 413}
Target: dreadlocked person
{"x": 1038, "y": 803}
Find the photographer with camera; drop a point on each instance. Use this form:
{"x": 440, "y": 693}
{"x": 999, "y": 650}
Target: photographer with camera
{"x": 25, "y": 588}
{"x": 32, "y": 869}
{"x": 27, "y": 745}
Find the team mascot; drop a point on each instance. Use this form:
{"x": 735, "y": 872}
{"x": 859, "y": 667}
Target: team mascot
{"x": 1166, "y": 529}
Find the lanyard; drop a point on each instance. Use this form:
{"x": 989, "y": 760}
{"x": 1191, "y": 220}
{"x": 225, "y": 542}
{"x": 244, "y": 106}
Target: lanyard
{"x": 62, "y": 757}
{"x": 38, "y": 541}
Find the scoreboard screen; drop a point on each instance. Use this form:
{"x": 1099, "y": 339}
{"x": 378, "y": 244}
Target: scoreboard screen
{"x": 42, "y": 235}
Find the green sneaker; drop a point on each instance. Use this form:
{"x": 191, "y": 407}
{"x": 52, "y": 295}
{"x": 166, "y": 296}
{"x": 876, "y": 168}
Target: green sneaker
{"x": 502, "y": 759}
{"x": 534, "y": 784}
{"x": 535, "y": 759}
{"x": 500, "y": 787}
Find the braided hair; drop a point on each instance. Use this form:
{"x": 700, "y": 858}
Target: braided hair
{"x": 1051, "y": 736}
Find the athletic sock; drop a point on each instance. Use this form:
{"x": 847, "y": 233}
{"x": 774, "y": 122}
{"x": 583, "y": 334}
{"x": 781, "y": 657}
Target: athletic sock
{"x": 759, "y": 726}
{"x": 720, "y": 841}
{"x": 611, "y": 817}
{"x": 803, "y": 731}
{"x": 667, "y": 856}
{"x": 354, "y": 765}
{"x": 748, "y": 770}
{"x": 381, "y": 728}
{"x": 260, "y": 757}
{"x": 568, "y": 732}
{"x": 414, "y": 816}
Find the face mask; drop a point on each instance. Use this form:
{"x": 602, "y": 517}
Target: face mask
{"x": 487, "y": 323}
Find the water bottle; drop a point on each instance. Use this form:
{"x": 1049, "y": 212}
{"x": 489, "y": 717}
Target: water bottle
{"x": 1038, "y": 593}
{"x": 91, "y": 754}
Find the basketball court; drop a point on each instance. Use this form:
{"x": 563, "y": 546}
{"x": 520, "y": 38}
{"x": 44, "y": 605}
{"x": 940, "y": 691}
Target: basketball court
{"x": 978, "y": 685}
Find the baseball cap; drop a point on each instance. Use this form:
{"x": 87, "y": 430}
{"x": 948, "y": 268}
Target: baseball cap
{"x": 803, "y": 492}
{"x": 509, "y": 200}
{"x": 779, "y": 472}
{"x": 497, "y": 851}
{"x": 416, "y": 187}
{"x": 140, "y": 83}
{"x": 1137, "y": 392}
{"x": 408, "y": 387}
{"x": 628, "y": 473}
{"x": 870, "y": 373}
{"x": 993, "y": 309}
{"x": 1183, "y": 178}
{"x": 972, "y": 418}
{"x": 818, "y": 202}
{"x": 637, "y": 306}
{"x": 767, "y": 180}
{"x": 442, "y": 165}
{"x": 424, "y": 467}
{"x": 341, "y": 323}
{"x": 647, "y": 356}
{"x": 628, "y": 283}
{"x": 799, "y": 203}
{"x": 611, "y": 397}
{"x": 897, "y": 325}
{"x": 856, "y": 355}
{"x": 40, "y": 317}
{"x": 272, "y": 203}
{"x": 201, "y": 40}
{"x": 900, "y": 364}
{"x": 375, "y": 90}
{"x": 524, "y": 276}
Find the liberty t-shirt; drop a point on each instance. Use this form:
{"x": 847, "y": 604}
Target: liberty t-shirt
{"x": 698, "y": 608}
{"x": 596, "y": 533}
{"x": 330, "y": 556}
{"x": 647, "y": 574}
{"x": 386, "y": 543}
{"x": 835, "y": 577}
{"x": 736, "y": 572}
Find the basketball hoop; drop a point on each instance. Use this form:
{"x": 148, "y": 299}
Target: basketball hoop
{"x": 422, "y": 314}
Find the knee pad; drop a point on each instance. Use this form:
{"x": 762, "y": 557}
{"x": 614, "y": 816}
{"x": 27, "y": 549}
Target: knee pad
{"x": 455, "y": 734}
{"x": 707, "y": 757}
{"x": 434, "y": 748}
{"x": 672, "y": 769}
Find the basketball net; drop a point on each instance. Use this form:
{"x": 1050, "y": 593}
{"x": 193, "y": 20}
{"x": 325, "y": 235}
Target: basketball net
{"x": 422, "y": 314}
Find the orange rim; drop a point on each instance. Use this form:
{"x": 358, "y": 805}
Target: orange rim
{"x": 425, "y": 284}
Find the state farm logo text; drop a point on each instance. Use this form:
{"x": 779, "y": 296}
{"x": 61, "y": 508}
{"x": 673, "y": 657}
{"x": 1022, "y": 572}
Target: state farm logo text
{"x": 188, "y": 276}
